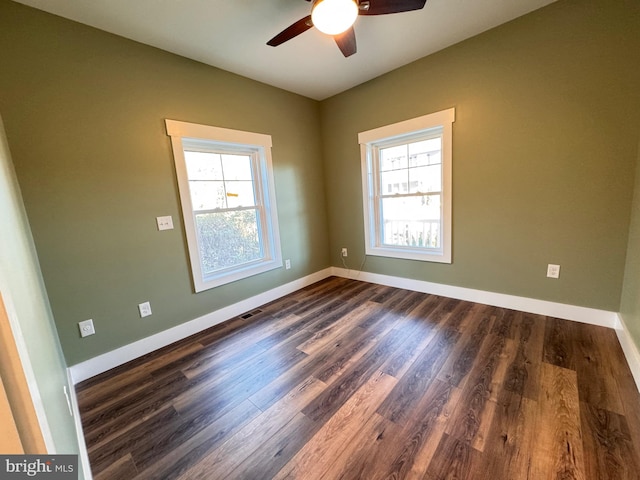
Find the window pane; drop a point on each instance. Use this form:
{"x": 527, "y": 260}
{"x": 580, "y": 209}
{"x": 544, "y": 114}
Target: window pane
{"x": 393, "y": 158}
{"x": 228, "y": 239}
{"x": 425, "y": 179}
{"x": 395, "y": 181}
{"x": 236, "y": 167}
{"x": 236, "y": 191}
{"x": 426, "y": 152}
{"x": 411, "y": 221}
{"x": 203, "y": 165}
{"x": 207, "y": 195}
{"x": 240, "y": 194}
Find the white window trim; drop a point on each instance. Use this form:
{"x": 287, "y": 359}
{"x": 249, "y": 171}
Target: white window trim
{"x": 178, "y": 130}
{"x": 370, "y": 138}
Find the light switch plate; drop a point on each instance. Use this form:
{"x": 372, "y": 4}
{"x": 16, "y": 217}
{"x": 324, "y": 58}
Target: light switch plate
{"x": 165, "y": 223}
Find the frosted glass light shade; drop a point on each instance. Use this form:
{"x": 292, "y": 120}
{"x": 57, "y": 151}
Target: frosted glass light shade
{"x": 334, "y": 16}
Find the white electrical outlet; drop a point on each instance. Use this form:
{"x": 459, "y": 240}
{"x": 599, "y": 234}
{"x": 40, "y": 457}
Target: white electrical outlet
{"x": 145, "y": 309}
{"x": 287, "y": 264}
{"x": 553, "y": 271}
{"x": 86, "y": 328}
{"x": 344, "y": 252}
{"x": 164, "y": 223}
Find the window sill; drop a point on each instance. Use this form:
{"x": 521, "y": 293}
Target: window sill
{"x": 437, "y": 256}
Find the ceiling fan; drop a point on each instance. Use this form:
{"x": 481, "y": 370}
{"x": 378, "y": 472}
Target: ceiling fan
{"x": 336, "y": 18}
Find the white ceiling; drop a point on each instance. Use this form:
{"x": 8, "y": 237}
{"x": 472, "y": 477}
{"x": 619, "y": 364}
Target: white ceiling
{"x": 232, "y": 35}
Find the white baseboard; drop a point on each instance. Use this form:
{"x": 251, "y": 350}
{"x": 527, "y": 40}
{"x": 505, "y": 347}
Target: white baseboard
{"x": 593, "y": 316}
{"x": 630, "y": 349}
{"x": 109, "y": 360}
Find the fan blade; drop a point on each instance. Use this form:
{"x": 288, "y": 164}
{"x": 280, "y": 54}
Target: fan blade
{"x": 294, "y": 30}
{"x": 346, "y": 42}
{"x": 384, "y": 7}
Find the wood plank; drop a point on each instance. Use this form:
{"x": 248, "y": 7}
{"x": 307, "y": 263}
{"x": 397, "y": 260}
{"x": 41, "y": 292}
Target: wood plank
{"x": 421, "y": 333}
{"x": 456, "y": 313}
{"x": 466, "y": 349}
{"x": 129, "y": 412}
{"x": 511, "y": 440}
{"x": 330, "y": 299}
{"x": 104, "y": 454}
{"x": 271, "y": 456}
{"x": 474, "y": 412}
{"x": 596, "y": 379}
{"x": 629, "y": 393}
{"x": 238, "y": 447}
{"x": 523, "y": 375}
{"x": 339, "y": 430}
{"x": 327, "y": 403}
{"x": 349, "y": 351}
{"x": 627, "y": 388}
{"x": 334, "y": 311}
{"x": 321, "y": 339}
{"x": 559, "y": 347}
{"x": 608, "y": 449}
{"x": 559, "y": 449}
{"x": 198, "y": 433}
{"x": 121, "y": 469}
{"x": 420, "y": 437}
{"x": 241, "y": 383}
{"x": 131, "y": 381}
{"x": 369, "y": 447}
{"x": 224, "y": 331}
{"x": 173, "y": 451}
{"x": 453, "y": 460}
{"x": 414, "y": 384}
{"x": 275, "y": 390}
{"x": 239, "y": 350}
{"x": 505, "y": 323}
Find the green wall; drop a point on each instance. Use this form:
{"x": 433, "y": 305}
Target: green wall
{"x": 84, "y": 113}
{"x": 544, "y": 151}
{"x": 26, "y": 300}
{"x": 630, "y": 303}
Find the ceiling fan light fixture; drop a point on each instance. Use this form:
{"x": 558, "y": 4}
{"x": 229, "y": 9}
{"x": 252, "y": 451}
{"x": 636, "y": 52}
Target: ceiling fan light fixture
{"x": 334, "y": 16}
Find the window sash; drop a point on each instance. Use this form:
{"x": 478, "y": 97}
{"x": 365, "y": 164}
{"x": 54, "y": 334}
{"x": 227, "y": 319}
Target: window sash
{"x": 254, "y": 156}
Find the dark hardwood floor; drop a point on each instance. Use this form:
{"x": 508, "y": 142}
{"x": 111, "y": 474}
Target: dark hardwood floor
{"x": 351, "y": 380}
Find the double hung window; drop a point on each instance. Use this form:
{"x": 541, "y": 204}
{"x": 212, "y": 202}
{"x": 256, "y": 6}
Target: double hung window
{"x": 228, "y": 202}
{"x": 406, "y": 171}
